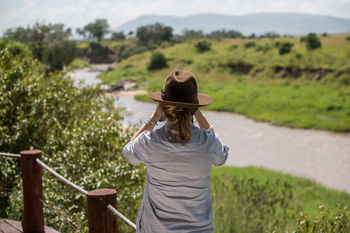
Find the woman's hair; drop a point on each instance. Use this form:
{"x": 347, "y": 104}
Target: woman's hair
{"x": 179, "y": 119}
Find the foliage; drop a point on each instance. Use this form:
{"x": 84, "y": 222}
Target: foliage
{"x": 326, "y": 222}
{"x": 249, "y": 44}
{"x": 246, "y": 205}
{"x": 118, "y": 36}
{"x": 157, "y": 61}
{"x": 203, "y": 45}
{"x": 298, "y": 89}
{"x": 129, "y": 49}
{"x": 348, "y": 38}
{"x": 59, "y": 54}
{"x": 270, "y": 35}
{"x": 239, "y": 193}
{"x": 192, "y": 34}
{"x": 225, "y": 34}
{"x": 15, "y": 48}
{"x": 79, "y": 64}
{"x": 285, "y": 47}
{"x": 312, "y": 41}
{"x": 79, "y": 133}
{"x": 99, "y": 53}
{"x": 46, "y": 42}
{"x": 154, "y": 33}
{"x": 97, "y": 29}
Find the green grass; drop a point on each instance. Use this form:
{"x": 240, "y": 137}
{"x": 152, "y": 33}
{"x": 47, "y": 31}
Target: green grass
{"x": 248, "y": 197}
{"x": 307, "y": 194}
{"x": 291, "y": 90}
{"x": 78, "y": 64}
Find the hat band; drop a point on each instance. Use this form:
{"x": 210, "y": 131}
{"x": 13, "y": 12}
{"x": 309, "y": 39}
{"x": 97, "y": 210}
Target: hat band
{"x": 163, "y": 94}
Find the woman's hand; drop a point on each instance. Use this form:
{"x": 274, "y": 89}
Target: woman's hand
{"x": 158, "y": 113}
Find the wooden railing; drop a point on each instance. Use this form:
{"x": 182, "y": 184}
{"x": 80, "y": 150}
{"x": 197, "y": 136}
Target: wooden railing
{"x": 101, "y": 203}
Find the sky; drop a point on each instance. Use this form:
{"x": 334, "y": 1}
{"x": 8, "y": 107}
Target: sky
{"x": 77, "y": 13}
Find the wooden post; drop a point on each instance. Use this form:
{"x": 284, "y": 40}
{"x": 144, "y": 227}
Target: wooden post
{"x": 99, "y": 217}
{"x": 33, "y": 215}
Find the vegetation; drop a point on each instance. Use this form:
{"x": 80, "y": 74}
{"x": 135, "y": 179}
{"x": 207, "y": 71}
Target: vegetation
{"x": 203, "y": 45}
{"x": 303, "y": 88}
{"x": 157, "y": 62}
{"x": 68, "y": 124}
{"x": 154, "y": 34}
{"x": 258, "y": 200}
{"x": 48, "y": 42}
{"x": 83, "y": 127}
{"x": 312, "y": 41}
{"x": 285, "y": 47}
{"x": 95, "y": 30}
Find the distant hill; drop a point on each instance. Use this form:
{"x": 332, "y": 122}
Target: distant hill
{"x": 282, "y": 23}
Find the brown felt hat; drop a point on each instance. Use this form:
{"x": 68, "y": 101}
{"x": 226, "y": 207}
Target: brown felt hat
{"x": 180, "y": 89}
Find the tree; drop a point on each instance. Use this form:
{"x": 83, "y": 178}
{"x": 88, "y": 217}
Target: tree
{"x": 285, "y": 47}
{"x": 203, "y": 45}
{"x": 118, "y": 36}
{"x": 97, "y": 29}
{"x": 225, "y": 34}
{"x": 154, "y": 33}
{"x": 40, "y": 37}
{"x": 312, "y": 41}
{"x": 157, "y": 62}
{"x": 81, "y": 32}
{"x": 80, "y": 134}
{"x": 192, "y": 34}
{"x": 58, "y": 54}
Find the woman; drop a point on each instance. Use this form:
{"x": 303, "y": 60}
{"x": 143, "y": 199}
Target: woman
{"x": 178, "y": 156}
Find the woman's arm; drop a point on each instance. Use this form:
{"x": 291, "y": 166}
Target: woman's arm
{"x": 151, "y": 122}
{"x": 202, "y": 121}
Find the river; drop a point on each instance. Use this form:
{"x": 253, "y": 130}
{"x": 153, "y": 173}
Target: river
{"x": 320, "y": 155}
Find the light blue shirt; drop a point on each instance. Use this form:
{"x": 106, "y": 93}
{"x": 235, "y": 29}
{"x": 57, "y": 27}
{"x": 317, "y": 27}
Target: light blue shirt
{"x": 177, "y": 192}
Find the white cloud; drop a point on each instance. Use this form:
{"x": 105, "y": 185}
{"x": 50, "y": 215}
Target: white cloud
{"x": 119, "y": 12}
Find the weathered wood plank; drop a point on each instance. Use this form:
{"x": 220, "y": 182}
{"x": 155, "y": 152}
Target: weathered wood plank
{"x": 11, "y": 226}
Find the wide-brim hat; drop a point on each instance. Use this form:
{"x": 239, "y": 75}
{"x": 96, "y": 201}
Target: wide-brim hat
{"x": 180, "y": 89}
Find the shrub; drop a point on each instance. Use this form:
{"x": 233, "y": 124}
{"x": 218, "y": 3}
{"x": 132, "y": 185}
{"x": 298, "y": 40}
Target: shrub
{"x": 203, "y": 45}
{"x": 312, "y": 41}
{"x": 157, "y": 62}
{"x": 325, "y": 222}
{"x": 264, "y": 48}
{"x": 79, "y": 133}
{"x": 251, "y": 206}
{"x": 348, "y": 38}
{"x": 59, "y": 54}
{"x": 249, "y": 44}
{"x": 285, "y": 47}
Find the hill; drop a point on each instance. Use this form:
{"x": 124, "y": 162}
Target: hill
{"x": 259, "y": 23}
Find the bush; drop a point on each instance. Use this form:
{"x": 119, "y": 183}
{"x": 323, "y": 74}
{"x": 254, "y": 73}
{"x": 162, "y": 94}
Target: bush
{"x": 264, "y": 48}
{"x": 157, "y": 62}
{"x": 203, "y": 45}
{"x": 325, "y": 222}
{"x": 348, "y": 38}
{"x": 285, "y": 47}
{"x": 249, "y": 44}
{"x": 246, "y": 205}
{"x": 15, "y": 48}
{"x": 59, "y": 54}
{"x": 312, "y": 41}
{"x": 79, "y": 133}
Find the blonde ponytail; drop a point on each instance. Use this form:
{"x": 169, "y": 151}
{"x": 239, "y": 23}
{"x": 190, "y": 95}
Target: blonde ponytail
{"x": 179, "y": 122}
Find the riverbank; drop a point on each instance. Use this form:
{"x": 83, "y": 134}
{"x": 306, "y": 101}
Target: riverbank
{"x": 301, "y": 89}
{"x": 315, "y": 154}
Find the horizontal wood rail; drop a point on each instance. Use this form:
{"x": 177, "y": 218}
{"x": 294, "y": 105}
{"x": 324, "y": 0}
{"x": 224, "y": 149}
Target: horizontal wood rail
{"x": 102, "y": 203}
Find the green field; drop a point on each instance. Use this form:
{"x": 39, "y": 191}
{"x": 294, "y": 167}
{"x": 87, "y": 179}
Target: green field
{"x": 303, "y": 89}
